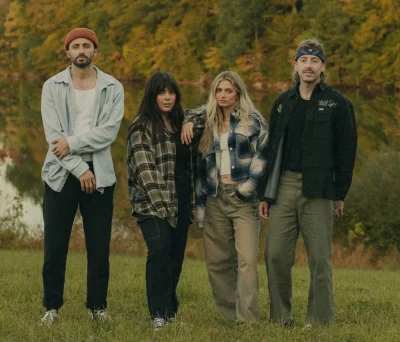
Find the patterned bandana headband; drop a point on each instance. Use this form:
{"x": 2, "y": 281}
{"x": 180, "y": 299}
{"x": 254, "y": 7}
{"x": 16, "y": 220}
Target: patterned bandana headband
{"x": 310, "y": 51}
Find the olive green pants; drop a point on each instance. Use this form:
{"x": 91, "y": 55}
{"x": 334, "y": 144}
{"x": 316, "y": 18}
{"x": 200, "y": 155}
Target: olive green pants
{"x": 313, "y": 217}
{"x": 231, "y": 235}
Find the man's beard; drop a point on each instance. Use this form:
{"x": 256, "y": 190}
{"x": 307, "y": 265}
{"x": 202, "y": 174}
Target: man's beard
{"x": 84, "y": 64}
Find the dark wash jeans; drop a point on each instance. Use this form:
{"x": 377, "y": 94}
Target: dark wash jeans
{"x": 59, "y": 210}
{"x": 166, "y": 249}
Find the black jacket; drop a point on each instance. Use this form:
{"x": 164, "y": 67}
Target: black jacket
{"x": 329, "y": 143}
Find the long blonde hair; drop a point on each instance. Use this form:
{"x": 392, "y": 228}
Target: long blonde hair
{"x": 215, "y": 116}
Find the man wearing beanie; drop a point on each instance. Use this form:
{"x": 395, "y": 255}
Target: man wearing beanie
{"x": 311, "y": 154}
{"x": 82, "y": 109}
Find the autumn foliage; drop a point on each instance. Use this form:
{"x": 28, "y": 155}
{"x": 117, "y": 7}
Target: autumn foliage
{"x": 195, "y": 40}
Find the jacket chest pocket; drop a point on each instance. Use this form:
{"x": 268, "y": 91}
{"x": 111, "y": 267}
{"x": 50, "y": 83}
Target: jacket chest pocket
{"x": 243, "y": 139}
{"x": 323, "y": 122}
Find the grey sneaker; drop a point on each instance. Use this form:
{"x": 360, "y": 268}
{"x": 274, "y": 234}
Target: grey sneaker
{"x": 290, "y": 323}
{"x": 50, "y": 317}
{"x": 158, "y": 323}
{"x": 100, "y": 315}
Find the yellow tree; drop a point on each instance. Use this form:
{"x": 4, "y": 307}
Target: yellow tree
{"x": 15, "y": 28}
{"x": 378, "y": 41}
{"x": 282, "y": 30}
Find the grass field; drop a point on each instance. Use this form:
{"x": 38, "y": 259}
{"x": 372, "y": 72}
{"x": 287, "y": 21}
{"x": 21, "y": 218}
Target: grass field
{"x": 367, "y": 305}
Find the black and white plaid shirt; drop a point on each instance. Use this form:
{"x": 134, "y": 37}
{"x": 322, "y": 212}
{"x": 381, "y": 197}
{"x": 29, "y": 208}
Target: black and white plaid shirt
{"x": 151, "y": 179}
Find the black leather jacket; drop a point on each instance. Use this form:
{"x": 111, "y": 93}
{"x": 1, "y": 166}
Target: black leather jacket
{"x": 329, "y": 144}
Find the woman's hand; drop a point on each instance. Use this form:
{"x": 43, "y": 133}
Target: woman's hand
{"x": 187, "y": 133}
{"x": 232, "y": 194}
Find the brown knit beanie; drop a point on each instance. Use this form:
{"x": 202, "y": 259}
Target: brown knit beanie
{"x": 81, "y": 33}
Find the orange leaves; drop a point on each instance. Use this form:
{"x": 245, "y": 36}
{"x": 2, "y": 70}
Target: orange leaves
{"x": 195, "y": 38}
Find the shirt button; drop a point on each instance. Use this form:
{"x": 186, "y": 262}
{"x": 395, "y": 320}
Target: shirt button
{"x": 230, "y": 148}
{"x": 231, "y": 131}
{"x": 233, "y": 167}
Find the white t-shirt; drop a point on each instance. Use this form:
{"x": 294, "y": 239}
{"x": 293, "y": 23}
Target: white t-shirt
{"x": 225, "y": 157}
{"x": 85, "y": 104}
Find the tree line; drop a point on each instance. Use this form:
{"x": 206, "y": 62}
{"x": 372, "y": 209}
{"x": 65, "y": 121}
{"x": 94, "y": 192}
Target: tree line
{"x": 194, "y": 40}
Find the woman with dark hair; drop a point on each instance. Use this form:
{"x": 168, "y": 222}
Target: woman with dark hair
{"x": 160, "y": 191}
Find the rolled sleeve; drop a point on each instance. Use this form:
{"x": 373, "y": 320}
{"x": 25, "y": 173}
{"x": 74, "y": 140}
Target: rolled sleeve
{"x": 53, "y": 130}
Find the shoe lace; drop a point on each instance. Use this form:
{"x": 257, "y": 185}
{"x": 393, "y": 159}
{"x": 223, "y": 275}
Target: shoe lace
{"x": 101, "y": 315}
{"x": 50, "y": 316}
{"x": 158, "y": 322}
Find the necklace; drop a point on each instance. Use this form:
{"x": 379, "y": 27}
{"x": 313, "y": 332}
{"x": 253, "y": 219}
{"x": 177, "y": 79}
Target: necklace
{"x": 86, "y": 86}
{"x": 86, "y": 81}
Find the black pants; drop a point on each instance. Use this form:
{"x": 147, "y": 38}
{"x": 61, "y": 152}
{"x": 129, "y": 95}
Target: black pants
{"x": 59, "y": 210}
{"x": 166, "y": 249}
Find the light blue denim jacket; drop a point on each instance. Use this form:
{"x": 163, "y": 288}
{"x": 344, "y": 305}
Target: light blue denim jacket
{"x": 58, "y": 115}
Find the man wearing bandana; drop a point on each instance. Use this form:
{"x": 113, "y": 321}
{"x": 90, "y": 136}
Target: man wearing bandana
{"x": 311, "y": 154}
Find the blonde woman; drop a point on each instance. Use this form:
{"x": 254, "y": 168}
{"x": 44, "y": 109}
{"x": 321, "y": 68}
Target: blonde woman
{"x": 230, "y": 166}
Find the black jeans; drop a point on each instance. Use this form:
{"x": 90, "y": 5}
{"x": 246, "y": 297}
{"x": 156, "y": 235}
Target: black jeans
{"x": 166, "y": 249}
{"x": 59, "y": 210}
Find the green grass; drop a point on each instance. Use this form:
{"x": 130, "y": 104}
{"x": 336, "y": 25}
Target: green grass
{"x": 367, "y": 305}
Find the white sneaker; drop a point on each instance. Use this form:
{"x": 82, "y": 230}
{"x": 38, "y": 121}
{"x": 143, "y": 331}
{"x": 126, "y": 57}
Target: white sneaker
{"x": 158, "y": 323}
{"x": 50, "y": 317}
{"x": 100, "y": 315}
{"x": 308, "y": 326}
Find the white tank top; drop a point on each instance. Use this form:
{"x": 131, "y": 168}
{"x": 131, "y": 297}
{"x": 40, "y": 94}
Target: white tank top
{"x": 85, "y": 104}
{"x": 225, "y": 157}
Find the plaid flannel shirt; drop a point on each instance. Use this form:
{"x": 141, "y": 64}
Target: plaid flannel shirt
{"x": 247, "y": 144}
{"x": 151, "y": 169}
